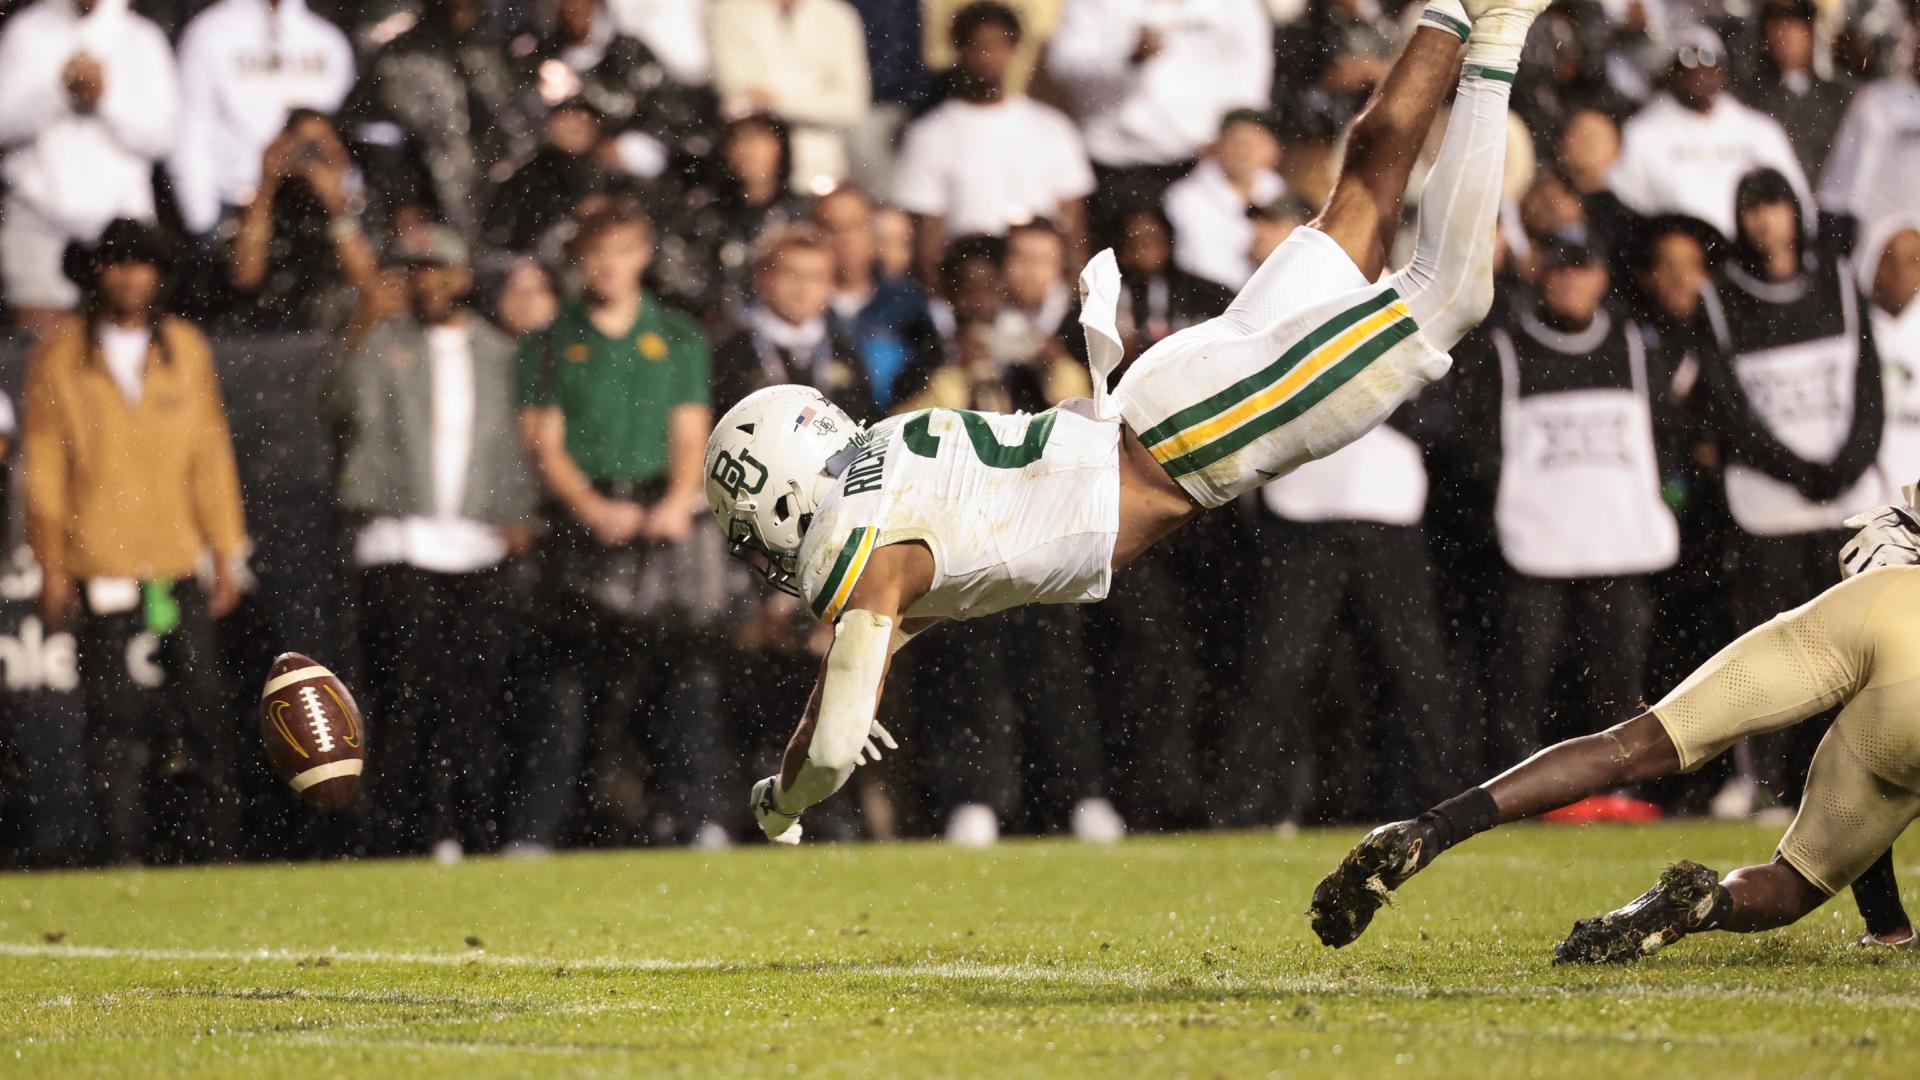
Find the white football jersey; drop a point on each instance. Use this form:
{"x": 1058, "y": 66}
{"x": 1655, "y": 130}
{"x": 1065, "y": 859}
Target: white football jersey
{"x": 1015, "y": 508}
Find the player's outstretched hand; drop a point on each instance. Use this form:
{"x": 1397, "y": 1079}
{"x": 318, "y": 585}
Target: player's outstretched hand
{"x": 780, "y": 826}
{"x": 877, "y": 737}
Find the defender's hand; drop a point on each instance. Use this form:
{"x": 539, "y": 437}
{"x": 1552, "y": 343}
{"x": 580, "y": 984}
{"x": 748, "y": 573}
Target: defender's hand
{"x": 1888, "y": 536}
{"x": 780, "y": 826}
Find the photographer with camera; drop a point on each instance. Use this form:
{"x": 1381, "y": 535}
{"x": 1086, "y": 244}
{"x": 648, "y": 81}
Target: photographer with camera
{"x": 300, "y": 260}
{"x": 246, "y": 67}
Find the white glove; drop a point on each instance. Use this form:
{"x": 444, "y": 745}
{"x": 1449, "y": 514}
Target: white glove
{"x": 780, "y": 826}
{"x": 1888, "y": 536}
{"x": 877, "y": 737}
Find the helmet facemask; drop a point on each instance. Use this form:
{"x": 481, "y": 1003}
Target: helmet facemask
{"x": 771, "y": 461}
{"x": 744, "y": 541}
{"x": 744, "y": 544}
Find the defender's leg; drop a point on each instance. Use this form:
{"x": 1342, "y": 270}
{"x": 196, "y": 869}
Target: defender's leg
{"x": 1776, "y": 675}
{"x": 1768, "y": 897}
{"x": 1847, "y": 820}
{"x": 1877, "y": 894}
{"x": 1686, "y": 900}
{"x": 1345, "y": 901}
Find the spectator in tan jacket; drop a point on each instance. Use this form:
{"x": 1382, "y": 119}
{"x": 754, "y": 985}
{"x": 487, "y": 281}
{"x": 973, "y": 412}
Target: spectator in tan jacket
{"x": 133, "y": 511}
{"x": 804, "y": 61}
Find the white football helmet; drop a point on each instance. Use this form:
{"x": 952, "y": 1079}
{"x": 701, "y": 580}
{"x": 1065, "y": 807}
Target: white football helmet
{"x": 770, "y": 462}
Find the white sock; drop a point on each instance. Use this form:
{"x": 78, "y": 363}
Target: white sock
{"x": 1447, "y": 15}
{"x": 1497, "y": 39}
{"x": 1451, "y": 273}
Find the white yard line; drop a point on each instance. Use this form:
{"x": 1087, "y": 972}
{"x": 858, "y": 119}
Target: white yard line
{"x": 950, "y": 971}
{"x": 582, "y": 965}
{"x": 955, "y": 971}
{"x": 249, "y": 956}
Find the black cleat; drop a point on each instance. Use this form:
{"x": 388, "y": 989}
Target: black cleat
{"x": 1345, "y": 900}
{"x": 1672, "y": 909}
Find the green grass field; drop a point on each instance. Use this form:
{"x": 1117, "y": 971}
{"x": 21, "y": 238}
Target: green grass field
{"x": 1161, "y": 957}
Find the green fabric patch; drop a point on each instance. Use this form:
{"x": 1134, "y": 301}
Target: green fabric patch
{"x": 158, "y": 608}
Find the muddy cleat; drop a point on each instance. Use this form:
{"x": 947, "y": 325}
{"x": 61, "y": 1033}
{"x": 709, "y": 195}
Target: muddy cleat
{"x": 1675, "y": 907}
{"x": 1345, "y": 900}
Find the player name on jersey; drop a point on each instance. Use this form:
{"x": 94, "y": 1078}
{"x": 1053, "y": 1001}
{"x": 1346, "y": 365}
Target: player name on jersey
{"x": 867, "y": 471}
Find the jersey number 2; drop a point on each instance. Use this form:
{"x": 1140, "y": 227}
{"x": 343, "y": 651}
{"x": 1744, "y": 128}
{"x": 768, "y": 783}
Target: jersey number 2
{"x": 992, "y": 453}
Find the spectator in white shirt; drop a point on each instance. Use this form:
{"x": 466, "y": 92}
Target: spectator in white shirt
{"x": 675, "y": 30}
{"x": 443, "y": 493}
{"x": 1870, "y": 174}
{"x": 245, "y": 65}
{"x": 87, "y": 104}
{"x": 1209, "y": 206}
{"x": 1152, "y": 80}
{"x": 986, "y": 160}
{"x": 804, "y": 61}
{"x": 1687, "y": 150}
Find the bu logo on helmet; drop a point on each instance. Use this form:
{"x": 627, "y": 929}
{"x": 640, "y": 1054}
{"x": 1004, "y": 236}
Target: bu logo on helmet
{"x": 739, "y": 476}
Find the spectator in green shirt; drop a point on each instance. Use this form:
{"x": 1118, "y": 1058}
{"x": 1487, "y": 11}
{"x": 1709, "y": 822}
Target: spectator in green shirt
{"x": 614, "y": 393}
{"x": 614, "y": 408}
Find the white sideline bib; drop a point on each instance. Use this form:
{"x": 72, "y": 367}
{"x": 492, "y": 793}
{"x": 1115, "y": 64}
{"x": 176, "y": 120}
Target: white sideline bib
{"x": 1579, "y": 492}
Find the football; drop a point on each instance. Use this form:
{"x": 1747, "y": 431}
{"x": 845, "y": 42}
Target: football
{"x": 312, "y": 731}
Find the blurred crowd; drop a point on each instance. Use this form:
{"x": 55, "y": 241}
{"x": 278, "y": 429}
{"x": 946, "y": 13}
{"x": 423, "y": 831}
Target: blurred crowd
{"x": 538, "y": 244}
